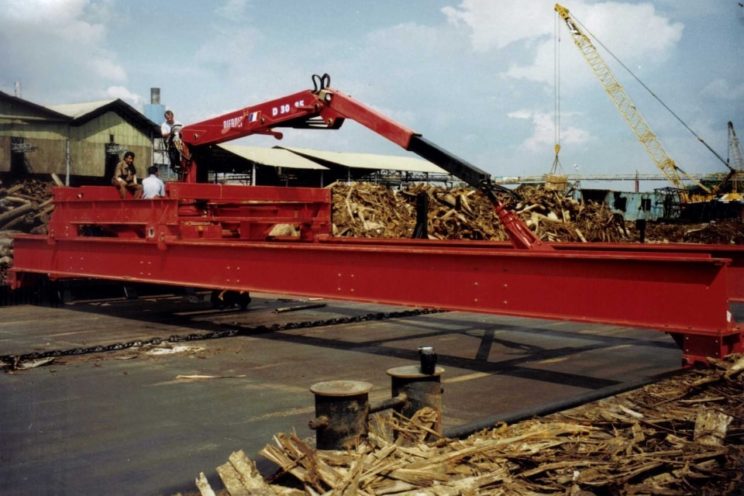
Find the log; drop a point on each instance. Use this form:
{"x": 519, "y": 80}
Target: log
{"x": 14, "y": 213}
{"x": 17, "y": 199}
{"x": 56, "y": 179}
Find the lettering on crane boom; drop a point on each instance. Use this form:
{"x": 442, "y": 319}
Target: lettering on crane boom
{"x": 236, "y": 122}
{"x": 233, "y": 122}
{"x": 286, "y": 108}
{"x": 282, "y": 109}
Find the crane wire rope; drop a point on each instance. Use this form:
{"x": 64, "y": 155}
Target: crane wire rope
{"x": 556, "y": 168}
{"x": 557, "y": 82}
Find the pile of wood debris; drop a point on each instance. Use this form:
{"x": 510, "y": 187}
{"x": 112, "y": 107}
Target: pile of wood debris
{"x": 680, "y": 436}
{"x": 726, "y": 231}
{"x": 375, "y": 211}
{"x": 372, "y": 210}
{"x": 25, "y": 206}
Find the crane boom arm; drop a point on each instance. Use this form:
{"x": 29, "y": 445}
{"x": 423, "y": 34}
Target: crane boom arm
{"x": 327, "y": 108}
{"x": 625, "y": 104}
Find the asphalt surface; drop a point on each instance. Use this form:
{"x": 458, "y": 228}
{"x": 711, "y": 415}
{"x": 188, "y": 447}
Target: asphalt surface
{"x": 147, "y": 421}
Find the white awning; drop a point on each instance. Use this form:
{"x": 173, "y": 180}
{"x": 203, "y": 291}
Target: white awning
{"x": 371, "y": 161}
{"x": 274, "y": 157}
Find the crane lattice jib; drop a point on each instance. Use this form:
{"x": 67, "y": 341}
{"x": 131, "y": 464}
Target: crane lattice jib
{"x": 736, "y": 157}
{"x": 623, "y": 102}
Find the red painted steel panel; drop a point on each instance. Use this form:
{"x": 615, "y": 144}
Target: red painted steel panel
{"x": 253, "y": 194}
{"x": 735, "y": 253}
{"x": 670, "y": 293}
{"x": 350, "y": 108}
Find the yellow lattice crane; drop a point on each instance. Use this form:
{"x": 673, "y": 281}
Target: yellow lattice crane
{"x": 736, "y": 161}
{"x": 627, "y": 107}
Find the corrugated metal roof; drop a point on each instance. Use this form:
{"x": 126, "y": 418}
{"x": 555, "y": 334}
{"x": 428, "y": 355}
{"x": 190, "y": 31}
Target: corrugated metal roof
{"x": 371, "y": 161}
{"x": 274, "y": 157}
{"x": 35, "y": 106}
{"x": 76, "y": 110}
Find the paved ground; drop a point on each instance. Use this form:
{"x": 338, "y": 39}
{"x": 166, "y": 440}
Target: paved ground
{"x": 134, "y": 422}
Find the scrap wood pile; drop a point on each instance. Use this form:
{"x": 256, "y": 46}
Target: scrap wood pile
{"x": 25, "y": 206}
{"x": 557, "y": 217}
{"x": 724, "y": 231}
{"x": 372, "y": 210}
{"x": 680, "y": 436}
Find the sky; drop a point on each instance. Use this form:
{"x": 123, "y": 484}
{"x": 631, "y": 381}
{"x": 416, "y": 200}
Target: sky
{"x": 476, "y": 77}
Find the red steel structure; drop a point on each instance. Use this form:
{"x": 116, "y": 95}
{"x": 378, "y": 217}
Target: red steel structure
{"x": 219, "y": 237}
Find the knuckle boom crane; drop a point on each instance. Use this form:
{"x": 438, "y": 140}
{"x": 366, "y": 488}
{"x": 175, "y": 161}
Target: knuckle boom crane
{"x": 216, "y": 236}
{"x": 326, "y": 108}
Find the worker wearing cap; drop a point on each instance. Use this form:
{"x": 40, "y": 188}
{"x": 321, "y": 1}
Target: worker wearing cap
{"x": 125, "y": 177}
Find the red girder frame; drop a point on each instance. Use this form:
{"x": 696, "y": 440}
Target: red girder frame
{"x": 220, "y": 237}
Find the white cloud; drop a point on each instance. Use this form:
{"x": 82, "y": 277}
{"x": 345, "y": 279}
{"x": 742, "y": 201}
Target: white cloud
{"x": 233, "y": 10}
{"x": 498, "y": 24}
{"x": 636, "y": 33}
{"x": 543, "y": 131}
{"x": 542, "y": 68}
{"x": 57, "y": 18}
{"x": 519, "y": 114}
{"x": 122, "y": 92}
{"x": 723, "y": 90}
{"x": 43, "y": 39}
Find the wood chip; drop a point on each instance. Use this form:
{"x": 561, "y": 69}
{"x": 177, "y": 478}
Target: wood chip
{"x": 655, "y": 440}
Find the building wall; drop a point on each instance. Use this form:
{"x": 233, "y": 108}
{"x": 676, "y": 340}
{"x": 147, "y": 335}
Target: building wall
{"x": 47, "y": 140}
{"x": 89, "y": 143}
{"x": 4, "y": 153}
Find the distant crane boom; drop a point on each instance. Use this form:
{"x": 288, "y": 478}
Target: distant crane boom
{"x": 736, "y": 162}
{"x": 626, "y": 106}
{"x": 736, "y": 158}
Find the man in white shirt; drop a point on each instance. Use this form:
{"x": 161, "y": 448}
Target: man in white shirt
{"x": 172, "y": 139}
{"x": 167, "y": 126}
{"x": 152, "y": 185}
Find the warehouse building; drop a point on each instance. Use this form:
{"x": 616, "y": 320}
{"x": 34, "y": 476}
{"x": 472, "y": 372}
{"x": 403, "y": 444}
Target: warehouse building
{"x": 289, "y": 166}
{"x": 80, "y": 142}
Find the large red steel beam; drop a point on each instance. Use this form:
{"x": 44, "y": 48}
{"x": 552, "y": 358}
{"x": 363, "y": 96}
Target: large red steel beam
{"x": 735, "y": 253}
{"x": 672, "y": 292}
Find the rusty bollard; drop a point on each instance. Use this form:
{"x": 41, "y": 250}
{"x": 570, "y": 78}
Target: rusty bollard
{"x": 419, "y": 389}
{"x": 341, "y": 409}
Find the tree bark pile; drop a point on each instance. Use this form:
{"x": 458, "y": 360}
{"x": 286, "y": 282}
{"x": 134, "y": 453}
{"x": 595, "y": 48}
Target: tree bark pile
{"x": 25, "y": 206}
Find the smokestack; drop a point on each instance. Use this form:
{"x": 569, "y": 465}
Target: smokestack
{"x": 18, "y": 89}
{"x": 155, "y": 96}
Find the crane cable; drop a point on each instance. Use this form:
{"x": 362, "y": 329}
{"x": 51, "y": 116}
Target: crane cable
{"x": 556, "y": 168}
{"x": 658, "y": 99}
